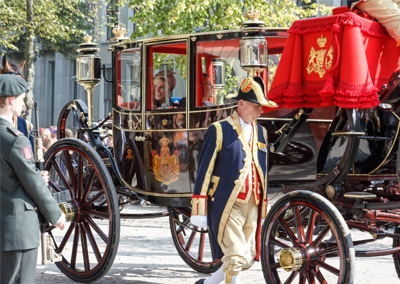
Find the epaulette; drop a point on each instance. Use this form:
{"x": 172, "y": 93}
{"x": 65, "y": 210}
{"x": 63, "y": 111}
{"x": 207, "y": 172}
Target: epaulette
{"x": 14, "y": 131}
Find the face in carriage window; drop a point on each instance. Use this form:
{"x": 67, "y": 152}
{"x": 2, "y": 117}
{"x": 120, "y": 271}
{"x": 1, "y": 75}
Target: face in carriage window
{"x": 164, "y": 84}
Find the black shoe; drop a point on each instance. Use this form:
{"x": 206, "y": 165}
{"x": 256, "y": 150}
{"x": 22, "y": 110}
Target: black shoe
{"x": 201, "y": 281}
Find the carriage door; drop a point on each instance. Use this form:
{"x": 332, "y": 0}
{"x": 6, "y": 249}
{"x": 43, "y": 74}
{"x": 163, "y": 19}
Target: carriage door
{"x": 128, "y": 117}
{"x": 165, "y": 119}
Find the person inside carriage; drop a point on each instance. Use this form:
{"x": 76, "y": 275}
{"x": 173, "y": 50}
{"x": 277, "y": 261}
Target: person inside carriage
{"x": 207, "y": 92}
{"x": 164, "y": 84}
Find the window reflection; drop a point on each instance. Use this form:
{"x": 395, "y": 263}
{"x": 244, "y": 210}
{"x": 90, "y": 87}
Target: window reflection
{"x": 128, "y": 76}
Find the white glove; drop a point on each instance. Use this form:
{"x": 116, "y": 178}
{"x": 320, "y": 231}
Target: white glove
{"x": 199, "y": 221}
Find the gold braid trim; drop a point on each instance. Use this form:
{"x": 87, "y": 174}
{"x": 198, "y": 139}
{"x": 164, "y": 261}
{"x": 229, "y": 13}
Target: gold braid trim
{"x": 265, "y": 186}
{"x": 218, "y": 146}
{"x": 199, "y": 202}
{"x": 239, "y": 183}
{"x": 199, "y": 205}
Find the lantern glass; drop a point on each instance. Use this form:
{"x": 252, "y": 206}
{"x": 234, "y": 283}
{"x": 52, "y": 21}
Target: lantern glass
{"x": 219, "y": 73}
{"x": 253, "y": 53}
{"x": 88, "y": 69}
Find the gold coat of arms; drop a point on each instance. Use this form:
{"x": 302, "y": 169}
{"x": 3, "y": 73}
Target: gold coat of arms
{"x": 316, "y": 58}
{"x": 165, "y": 165}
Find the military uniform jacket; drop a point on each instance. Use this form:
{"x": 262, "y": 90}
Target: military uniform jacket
{"x": 22, "y": 191}
{"x": 224, "y": 163}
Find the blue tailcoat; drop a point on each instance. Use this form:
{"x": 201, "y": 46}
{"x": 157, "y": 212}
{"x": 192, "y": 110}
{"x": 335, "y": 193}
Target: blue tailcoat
{"x": 224, "y": 163}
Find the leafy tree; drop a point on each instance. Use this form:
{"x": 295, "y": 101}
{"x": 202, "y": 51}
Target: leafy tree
{"x": 169, "y": 17}
{"x": 33, "y": 27}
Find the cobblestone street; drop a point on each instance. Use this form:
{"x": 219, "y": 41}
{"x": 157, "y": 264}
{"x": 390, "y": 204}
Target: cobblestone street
{"x": 147, "y": 254}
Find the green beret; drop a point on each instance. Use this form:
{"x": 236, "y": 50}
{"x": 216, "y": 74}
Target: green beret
{"x": 12, "y": 85}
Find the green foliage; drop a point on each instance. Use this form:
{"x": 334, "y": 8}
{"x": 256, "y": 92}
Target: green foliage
{"x": 172, "y": 61}
{"x": 57, "y": 25}
{"x": 169, "y": 17}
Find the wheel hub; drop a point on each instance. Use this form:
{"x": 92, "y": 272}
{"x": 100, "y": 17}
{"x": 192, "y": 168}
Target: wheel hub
{"x": 70, "y": 209}
{"x": 291, "y": 259}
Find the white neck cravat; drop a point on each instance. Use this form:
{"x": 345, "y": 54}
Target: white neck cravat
{"x": 246, "y": 128}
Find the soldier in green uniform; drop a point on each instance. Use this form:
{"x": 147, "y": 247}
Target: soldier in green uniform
{"x": 23, "y": 191}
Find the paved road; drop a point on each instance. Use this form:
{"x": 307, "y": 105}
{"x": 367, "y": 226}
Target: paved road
{"x": 147, "y": 255}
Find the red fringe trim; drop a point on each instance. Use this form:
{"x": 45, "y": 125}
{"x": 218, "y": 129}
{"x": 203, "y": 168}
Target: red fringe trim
{"x": 347, "y": 97}
{"x": 366, "y": 26}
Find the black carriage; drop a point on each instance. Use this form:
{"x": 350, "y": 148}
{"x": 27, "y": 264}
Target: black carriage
{"x": 155, "y": 146}
{"x": 306, "y": 235}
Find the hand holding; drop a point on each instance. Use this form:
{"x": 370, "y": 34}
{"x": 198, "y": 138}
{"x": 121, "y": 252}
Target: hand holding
{"x": 45, "y": 176}
{"x": 61, "y": 222}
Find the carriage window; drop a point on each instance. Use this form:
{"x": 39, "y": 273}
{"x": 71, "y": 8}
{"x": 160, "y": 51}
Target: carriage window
{"x": 166, "y": 73}
{"x": 218, "y": 71}
{"x": 128, "y": 73}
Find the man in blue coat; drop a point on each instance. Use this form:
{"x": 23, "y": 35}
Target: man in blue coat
{"x": 230, "y": 192}
{"x": 23, "y": 191}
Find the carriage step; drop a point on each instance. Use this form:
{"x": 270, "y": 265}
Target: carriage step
{"x": 376, "y": 138}
{"x": 348, "y": 133}
{"x": 359, "y": 195}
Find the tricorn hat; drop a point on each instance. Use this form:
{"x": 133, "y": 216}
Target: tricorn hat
{"x": 252, "y": 89}
{"x": 12, "y": 85}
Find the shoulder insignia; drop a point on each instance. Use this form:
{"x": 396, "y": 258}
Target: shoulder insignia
{"x": 14, "y": 131}
{"x": 27, "y": 152}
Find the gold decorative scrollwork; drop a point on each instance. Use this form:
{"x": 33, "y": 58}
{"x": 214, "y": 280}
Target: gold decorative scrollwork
{"x": 316, "y": 58}
{"x": 134, "y": 124}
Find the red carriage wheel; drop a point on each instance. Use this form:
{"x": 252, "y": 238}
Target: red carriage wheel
{"x": 192, "y": 243}
{"x": 296, "y": 246}
{"x": 90, "y": 241}
{"x": 396, "y": 256}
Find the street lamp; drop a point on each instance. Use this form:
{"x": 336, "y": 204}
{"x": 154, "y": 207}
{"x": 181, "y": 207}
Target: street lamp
{"x": 253, "y": 46}
{"x": 88, "y": 68}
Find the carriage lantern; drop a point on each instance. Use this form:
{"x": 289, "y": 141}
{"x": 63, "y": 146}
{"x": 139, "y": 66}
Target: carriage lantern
{"x": 218, "y": 78}
{"x": 88, "y": 66}
{"x": 253, "y": 46}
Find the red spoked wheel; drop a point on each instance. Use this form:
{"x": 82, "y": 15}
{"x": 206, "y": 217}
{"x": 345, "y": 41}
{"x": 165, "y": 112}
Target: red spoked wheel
{"x": 192, "y": 243}
{"x": 296, "y": 246}
{"x": 90, "y": 241}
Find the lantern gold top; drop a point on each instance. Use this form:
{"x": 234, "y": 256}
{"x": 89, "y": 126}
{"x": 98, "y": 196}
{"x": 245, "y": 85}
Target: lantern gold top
{"x": 88, "y": 46}
{"x": 87, "y": 39}
{"x": 253, "y": 24}
{"x": 253, "y": 15}
{"x": 119, "y": 34}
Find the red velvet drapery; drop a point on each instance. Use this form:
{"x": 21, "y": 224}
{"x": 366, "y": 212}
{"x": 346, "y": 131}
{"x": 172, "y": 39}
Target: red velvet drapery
{"x": 340, "y": 60}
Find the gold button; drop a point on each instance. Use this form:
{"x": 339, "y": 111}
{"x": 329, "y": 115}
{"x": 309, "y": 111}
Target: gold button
{"x": 212, "y": 199}
{"x": 236, "y": 181}
{"x": 241, "y": 171}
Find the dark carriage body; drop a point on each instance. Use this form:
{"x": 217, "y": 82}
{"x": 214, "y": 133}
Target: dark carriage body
{"x": 162, "y": 144}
